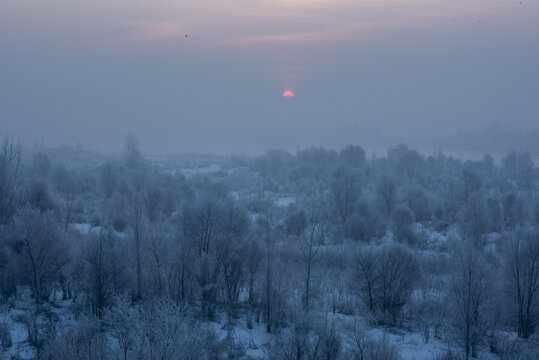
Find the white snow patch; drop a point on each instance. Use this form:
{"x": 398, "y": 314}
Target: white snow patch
{"x": 284, "y": 201}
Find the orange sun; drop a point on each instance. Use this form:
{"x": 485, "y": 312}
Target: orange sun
{"x": 288, "y": 93}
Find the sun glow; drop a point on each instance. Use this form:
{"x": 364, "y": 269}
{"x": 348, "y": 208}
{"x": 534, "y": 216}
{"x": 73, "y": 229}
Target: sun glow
{"x": 288, "y": 93}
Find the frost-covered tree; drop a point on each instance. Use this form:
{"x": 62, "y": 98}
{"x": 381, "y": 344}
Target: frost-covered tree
{"x": 10, "y": 171}
{"x": 385, "y": 278}
{"x": 39, "y": 249}
{"x": 99, "y": 271}
{"x": 344, "y": 190}
{"x": 109, "y": 178}
{"x": 353, "y": 155}
{"x": 123, "y": 322}
{"x": 522, "y": 265}
{"x": 386, "y": 191}
{"x": 519, "y": 167}
{"x": 469, "y": 292}
{"x": 132, "y": 154}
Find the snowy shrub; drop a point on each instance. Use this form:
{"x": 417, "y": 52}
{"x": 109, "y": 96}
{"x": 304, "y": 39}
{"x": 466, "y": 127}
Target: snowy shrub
{"x": 122, "y": 321}
{"x": 81, "y": 341}
{"x": 330, "y": 341}
{"x": 517, "y": 349}
{"x": 363, "y": 346}
{"x": 40, "y": 326}
{"x": 297, "y": 341}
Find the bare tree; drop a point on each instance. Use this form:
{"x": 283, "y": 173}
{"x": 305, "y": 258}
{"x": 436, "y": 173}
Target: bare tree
{"x": 367, "y": 276}
{"x": 202, "y": 224}
{"x": 39, "y": 247}
{"x": 152, "y": 198}
{"x": 109, "y": 179}
{"x": 359, "y": 342}
{"x": 65, "y": 184}
{"x": 10, "y": 170}
{"x": 310, "y": 240}
{"x": 159, "y": 248}
{"x": 330, "y": 340}
{"x": 519, "y": 167}
{"x": 138, "y": 235}
{"x": 133, "y": 156}
{"x": 98, "y": 272}
{"x": 398, "y": 274}
{"x": 296, "y": 342}
{"x": 522, "y": 264}
{"x": 69, "y": 199}
{"x": 265, "y": 228}
{"x": 234, "y": 275}
{"x": 84, "y": 340}
{"x": 471, "y": 182}
{"x": 123, "y": 320}
{"x": 254, "y": 257}
{"x": 353, "y": 155}
{"x": 469, "y": 294}
{"x": 180, "y": 279}
{"x": 386, "y": 279}
{"x": 387, "y": 195}
{"x": 230, "y": 248}
{"x": 363, "y": 346}
{"x": 344, "y": 190}
{"x": 405, "y": 161}
{"x": 164, "y": 325}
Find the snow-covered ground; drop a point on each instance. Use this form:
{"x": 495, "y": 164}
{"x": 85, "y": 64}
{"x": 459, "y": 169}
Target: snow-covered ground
{"x": 253, "y": 339}
{"x": 411, "y": 345}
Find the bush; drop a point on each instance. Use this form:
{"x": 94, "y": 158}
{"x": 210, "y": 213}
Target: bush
{"x": 518, "y": 349}
{"x": 41, "y": 327}
{"x": 330, "y": 341}
{"x": 82, "y": 341}
{"x": 367, "y": 347}
{"x": 297, "y": 341}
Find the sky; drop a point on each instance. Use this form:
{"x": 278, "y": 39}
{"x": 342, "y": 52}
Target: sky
{"x": 208, "y": 76}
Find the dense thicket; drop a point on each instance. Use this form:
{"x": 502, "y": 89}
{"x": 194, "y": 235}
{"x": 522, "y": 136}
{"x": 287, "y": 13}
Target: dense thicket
{"x": 147, "y": 253}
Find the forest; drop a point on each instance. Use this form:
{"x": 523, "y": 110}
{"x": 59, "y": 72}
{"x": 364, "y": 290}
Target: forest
{"x": 317, "y": 255}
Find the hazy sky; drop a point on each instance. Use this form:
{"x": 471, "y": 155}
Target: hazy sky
{"x": 91, "y": 71}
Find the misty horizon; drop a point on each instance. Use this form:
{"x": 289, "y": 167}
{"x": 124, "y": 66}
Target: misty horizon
{"x": 209, "y": 78}
{"x": 471, "y": 145}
